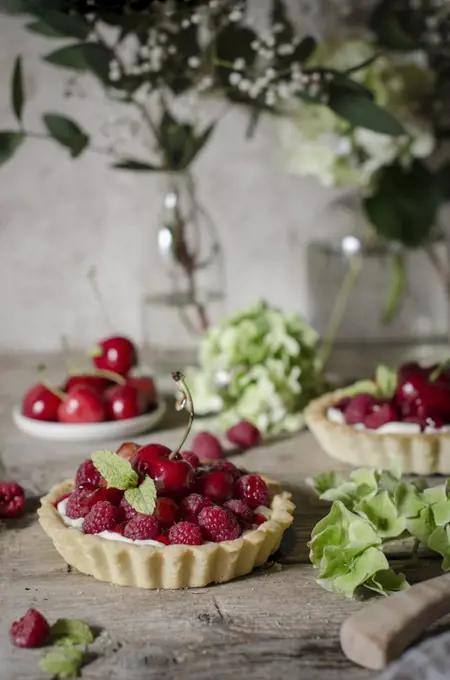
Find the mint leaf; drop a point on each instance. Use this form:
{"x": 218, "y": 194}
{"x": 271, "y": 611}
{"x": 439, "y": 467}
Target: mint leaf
{"x": 386, "y": 380}
{"x": 383, "y": 514}
{"x": 116, "y": 470}
{"x": 386, "y": 582}
{"x": 326, "y": 481}
{"x": 71, "y": 632}
{"x": 143, "y": 498}
{"x": 63, "y": 662}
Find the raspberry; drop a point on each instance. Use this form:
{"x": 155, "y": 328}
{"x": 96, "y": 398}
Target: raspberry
{"x": 253, "y": 490}
{"x": 218, "y": 524}
{"x": 12, "y": 499}
{"x": 32, "y": 630}
{"x": 381, "y": 415}
{"x": 119, "y": 528}
{"x": 207, "y": 446}
{"x": 358, "y": 408}
{"x": 244, "y": 434}
{"x": 142, "y": 527}
{"x": 60, "y": 499}
{"x": 191, "y": 458}
{"x": 226, "y": 466}
{"x": 126, "y": 510}
{"x": 259, "y": 519}
{"x": 82, "y": 500}
{"x": 87, "y": 474}
{"x": 102, "y": 517}
{"x": 185, "y": 533}
{"x": 191, "y": 505}
{"x": 218, "y": 486}
{"x": 241, "y": 511}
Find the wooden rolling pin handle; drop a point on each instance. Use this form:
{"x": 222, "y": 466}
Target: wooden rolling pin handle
{"x": 380, "y": 632}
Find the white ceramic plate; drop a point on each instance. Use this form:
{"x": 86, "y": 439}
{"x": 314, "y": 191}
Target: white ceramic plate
{"x": 89, "y": 432}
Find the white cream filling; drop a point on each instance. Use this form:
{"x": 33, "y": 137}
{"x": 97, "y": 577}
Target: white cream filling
{"x": 336, "y": 416}
{"x": 113, "y": 536}
{"x": 109, "y": 535}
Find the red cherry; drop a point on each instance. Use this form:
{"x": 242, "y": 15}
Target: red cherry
{"x": 40, "y": 403}
{"x": 127, "y": 450}
{"x": 408, "y": 369}
{"x": 172, "y": 476}
{"x": 381, "y": 415}
{"x": 96, "y": 382}
{"x": 409, "y": 389}
{"x": 113, "y": 496}
{"x": 434, "y": 399}
{"x": 117, "y": 354}
{"x": 82, "y": 404}
{"x": 166, "y": 511}
{"x": 124, "y": 401}
{"x": 146, "y": 455}
{"x": 191, "y": 458}
{"x": 217, "y": 486}
{"x": 147, "y": 387}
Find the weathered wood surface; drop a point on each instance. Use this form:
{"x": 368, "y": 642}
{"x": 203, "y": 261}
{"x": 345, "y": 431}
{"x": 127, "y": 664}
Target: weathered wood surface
{"x": 275, "y": 623}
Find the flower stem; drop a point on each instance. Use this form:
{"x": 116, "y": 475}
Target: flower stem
{"x": 340, "y": 306}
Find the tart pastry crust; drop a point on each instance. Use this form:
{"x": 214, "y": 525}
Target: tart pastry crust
{"x": 172, "y": 566}
{"x": 420, "y": 453}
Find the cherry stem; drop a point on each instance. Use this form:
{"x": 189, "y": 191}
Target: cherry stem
{"x": 103, "y": 373}
{"x": 184, "y": 402}
{"x": 438, "y": 370}
{"x": 55, "y": 390}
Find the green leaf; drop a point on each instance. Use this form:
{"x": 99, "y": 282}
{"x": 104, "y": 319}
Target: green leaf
{"x": 9, "y": 143}
{"x": 360, "y": 111}
{"x": 64, "y": 25}
{"x": 368, "y": 386}
{"x": 404, "y": 204}
{"x": 305, "y": 49}
{"x": 396, "y": 289}
{"x": 116, "y": 470}
{"x": 439, "y": 541}
{"x": 42, "y": 28}
{"x": 389, "y": 29}
{"x": 88, "y": 56}
{"x": 138, "y": 166}
{"x": 17, "y": 96}
{"x": 233, "y": 42}
{"x": 62, "y": 662}
{"x": 383, "y": 514}
{"x": 143, "y": 498}
{"x": 326, "y": 481}
{"x": 435, "y": 494}
{"x": 441, "y": 513}
{"x": 344, "y": 573}
{"x": 71, "y": 632}
{"x": 386, "y": 379}
{"x": 366, "y": 477}
{"x": 386, "y": 582}
{"x": 66, "y": 132}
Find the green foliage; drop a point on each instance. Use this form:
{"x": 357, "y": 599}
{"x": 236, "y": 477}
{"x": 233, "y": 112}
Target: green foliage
{"x": 361, "y": 111}
{"x": 66, "y": 132}
{"x": 405, "y": 204}
{"x": 17, "y": 94}
{"x": 370, "y": 509}
{"x": 71, "y": 632}
{"x": 9, "y": 143}
{"x": 89, "y": 56}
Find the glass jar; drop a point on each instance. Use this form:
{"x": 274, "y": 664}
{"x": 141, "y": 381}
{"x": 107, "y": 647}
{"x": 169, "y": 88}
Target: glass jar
{"x": 189, "y": 294}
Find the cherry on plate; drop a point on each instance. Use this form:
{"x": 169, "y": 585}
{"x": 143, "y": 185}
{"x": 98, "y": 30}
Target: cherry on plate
{"x": 124, "y": 401}
{"x": 116, "y": 354}
{"x": 40, "y": 403}
{"x": 82, "y": 404}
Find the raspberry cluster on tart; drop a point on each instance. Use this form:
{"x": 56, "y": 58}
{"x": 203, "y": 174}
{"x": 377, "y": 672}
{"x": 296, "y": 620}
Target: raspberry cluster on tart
{"x": 150, "y": 517}
{"x": 398, "y": 417}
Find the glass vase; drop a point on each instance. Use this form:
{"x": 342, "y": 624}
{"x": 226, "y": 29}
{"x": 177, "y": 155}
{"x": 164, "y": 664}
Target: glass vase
{"x": 379, "y": 303}
{"x": 189, "y": 295}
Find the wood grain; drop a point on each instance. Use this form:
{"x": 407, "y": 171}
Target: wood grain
{"x": 276, "y": 622}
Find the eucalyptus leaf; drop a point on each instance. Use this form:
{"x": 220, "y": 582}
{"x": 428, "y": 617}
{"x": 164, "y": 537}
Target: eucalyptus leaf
{"x": 360, "y": 111}
{"x": 305, "y": 49}
{"x": 136, "y": 165}
{"x": 17, "y": 94}
{"x": 64, "y": 25}
{"x": 41, "y": 28}
{"x": 389, "y": 29}
{"x": 89, "y": 56}
{"x": 9, "y": 143}
{"x": 66, "y": 132}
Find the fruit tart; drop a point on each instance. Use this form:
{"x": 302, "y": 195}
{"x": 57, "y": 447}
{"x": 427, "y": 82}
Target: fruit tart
{"x": 145, "y": 516}
{"x": 399, "y": 417}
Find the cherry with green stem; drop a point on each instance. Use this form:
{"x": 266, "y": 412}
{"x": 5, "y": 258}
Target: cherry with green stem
{"x": 185, "y": 401}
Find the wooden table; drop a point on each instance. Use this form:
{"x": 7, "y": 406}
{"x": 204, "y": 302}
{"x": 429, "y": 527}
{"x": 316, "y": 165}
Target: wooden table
{"x": 274, "y": 623}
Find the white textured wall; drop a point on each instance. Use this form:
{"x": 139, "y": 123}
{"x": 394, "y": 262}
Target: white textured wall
{"x": 59, "y": 217}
